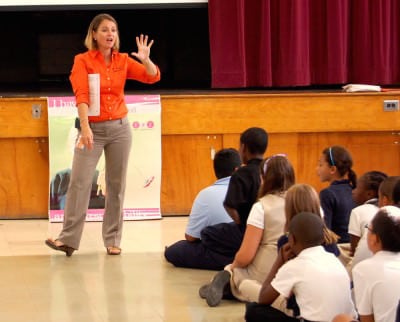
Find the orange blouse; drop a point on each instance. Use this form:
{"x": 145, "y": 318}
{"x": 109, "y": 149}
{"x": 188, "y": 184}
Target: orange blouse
{"x": 112, "y": 81}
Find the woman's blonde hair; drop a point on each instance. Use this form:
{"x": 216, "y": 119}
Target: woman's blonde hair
{"x": 303, "y": 198}
{"x": 90, "y": 43}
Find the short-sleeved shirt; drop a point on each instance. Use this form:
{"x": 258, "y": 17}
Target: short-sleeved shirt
{"x": 362, "y": 251}
{"x": 268, "y": 214}
{"x": 337, "y": 203}
{"x": 359, "y": 217}
{"x": 243, "y": 189}
{"x": 208, "y": 208}
{"x": 377, "y": 286}
{"x": 256, "y": 216}
{"x": 320, "y": 283}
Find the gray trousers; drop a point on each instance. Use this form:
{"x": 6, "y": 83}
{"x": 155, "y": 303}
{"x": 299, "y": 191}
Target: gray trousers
{"x": 115, "y": 138}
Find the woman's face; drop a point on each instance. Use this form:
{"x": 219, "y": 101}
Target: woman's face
{"x": 106, "y": 35}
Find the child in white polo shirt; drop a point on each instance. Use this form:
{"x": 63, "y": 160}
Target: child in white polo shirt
{"x": 386, "y": 194}
{"x": 365, "y": 195}
{"x": 303, "y": 268}
{"x": 377, "y": 279}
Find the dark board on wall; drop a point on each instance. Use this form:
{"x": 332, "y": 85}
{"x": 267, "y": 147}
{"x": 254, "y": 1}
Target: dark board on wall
{"x": 41, "y": 45}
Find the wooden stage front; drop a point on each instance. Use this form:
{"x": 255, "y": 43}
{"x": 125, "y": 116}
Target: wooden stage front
{"x": 300, "y": 124}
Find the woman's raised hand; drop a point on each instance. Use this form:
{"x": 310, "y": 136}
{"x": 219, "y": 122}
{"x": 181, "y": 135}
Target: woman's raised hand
{"x": 143, "y": 44}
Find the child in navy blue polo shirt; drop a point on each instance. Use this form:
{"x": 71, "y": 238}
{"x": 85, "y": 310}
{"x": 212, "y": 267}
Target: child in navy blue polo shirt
{"x": 335, "y": 167}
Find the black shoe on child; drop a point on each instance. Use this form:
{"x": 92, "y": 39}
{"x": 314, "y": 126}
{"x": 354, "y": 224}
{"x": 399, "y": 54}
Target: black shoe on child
{"x": 204, "y": 290}
{"x": 216, "y": 289}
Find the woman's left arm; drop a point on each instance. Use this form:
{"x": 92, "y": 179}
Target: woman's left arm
{"x": 248, "y": 249}
{"x": 143, "y": 54}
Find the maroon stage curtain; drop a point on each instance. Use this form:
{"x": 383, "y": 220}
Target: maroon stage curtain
{"x": 285, "y": 43}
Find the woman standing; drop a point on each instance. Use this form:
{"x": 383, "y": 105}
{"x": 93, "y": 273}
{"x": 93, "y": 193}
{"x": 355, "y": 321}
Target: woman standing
{"x": 109, "y": 131}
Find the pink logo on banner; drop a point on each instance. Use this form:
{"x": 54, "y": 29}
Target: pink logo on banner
{"x": 59, "y": 102}
{"x": 137, "y": 125}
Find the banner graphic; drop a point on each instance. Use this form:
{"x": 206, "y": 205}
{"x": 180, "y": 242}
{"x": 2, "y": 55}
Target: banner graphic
{"x": 142, "y": 195}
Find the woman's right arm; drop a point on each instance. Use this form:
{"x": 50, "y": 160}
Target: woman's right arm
{"x": 80, "y": 86}
{"x": 86, "y": 131}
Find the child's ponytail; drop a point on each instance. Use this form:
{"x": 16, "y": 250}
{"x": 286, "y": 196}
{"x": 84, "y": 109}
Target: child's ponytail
{"x": 352, "y": 178}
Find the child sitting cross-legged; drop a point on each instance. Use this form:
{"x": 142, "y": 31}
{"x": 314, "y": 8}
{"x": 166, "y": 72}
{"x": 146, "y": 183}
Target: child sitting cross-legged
{"x": 265, "y": 224}
{"x": 317, "y": 278}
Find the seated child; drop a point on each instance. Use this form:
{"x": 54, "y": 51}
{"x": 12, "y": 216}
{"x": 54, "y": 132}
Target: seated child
{"x": 223, "y": 240}
{"x": 303, "y": 198}
{"x": 335, "y": 167}
{"x": 365, "y": 195}
{"x": 264, "y": 225}
{"x": 385, "y": 198}
{"x": 303, "y": 268}
{"x": 207, "y": 210}
{"x": 377, "y": 279}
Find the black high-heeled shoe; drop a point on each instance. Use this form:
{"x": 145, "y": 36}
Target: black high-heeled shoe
{"x": 63, "y": 248}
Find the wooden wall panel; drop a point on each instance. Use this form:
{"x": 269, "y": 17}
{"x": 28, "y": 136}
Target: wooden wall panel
{"x": 299, "y": 124}
{"x": 186, "y": 168}
{"x": 24, "y": 158}
{"x": 24, "y": 178}
{"x": 16, "y": 118}
{"x": 369, "y": 150}
{"x": 278, "y": 113}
